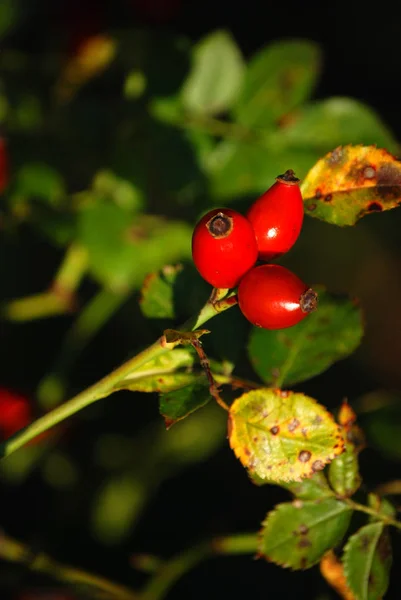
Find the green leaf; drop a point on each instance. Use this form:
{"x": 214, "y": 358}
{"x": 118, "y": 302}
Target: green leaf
{"x": 118, "y": 190}
{"x": 367, "y": 561}
{"x": 333, "y": 122}
{"x": 123, "y": 250}
{"x": 282, "y": 436}
{"x": 297, "y": 534}
{"x": 157, "y": 293}
{"x": 344, "y": 474}
{"x": 239, "y": 168}
{"x": 160, "y": 383}
{"x": 178, "y": 404}
{"x": 289, "y": 356}
{"x": 351, "y": 182}
{"x": 381, "y": 505}
{"x": 279, "y": 78}
{"x": 162, "y": 374}
{"x": 215, "y": 79}
{"x": 40, "y": 182}
{"x": 312, "y": 488}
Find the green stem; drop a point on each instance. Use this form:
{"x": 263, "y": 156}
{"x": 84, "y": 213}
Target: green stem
{"x": 93, "y": 585}
{"x": 72, "y": 269}
{"x": 172, "y": 570}
{"x": 372, "y": 512}
{"x": 59, "y": 298}
{"x": 37, "y": 306}
{"x": 104, "y": 386}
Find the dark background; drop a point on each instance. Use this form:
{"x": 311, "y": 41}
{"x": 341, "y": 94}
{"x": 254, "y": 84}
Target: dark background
{"x": 362, "y": 50}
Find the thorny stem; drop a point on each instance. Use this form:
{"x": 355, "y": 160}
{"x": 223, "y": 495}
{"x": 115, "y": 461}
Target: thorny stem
{"x": 105, "y": 386}
{"x": 90, "y": 584}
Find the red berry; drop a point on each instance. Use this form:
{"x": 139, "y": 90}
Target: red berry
{"x": 224, "y": 247}
{"x": 272, "y": 297}
{"x": 277, "y": 216}
{"x": 15, "y": 412}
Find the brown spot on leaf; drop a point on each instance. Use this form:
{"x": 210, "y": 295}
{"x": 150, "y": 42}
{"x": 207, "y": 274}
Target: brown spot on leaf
{"x": 317, "y": 420}
{"x": 304, "y": 543}
{"x": 328, "y": 198}
{"x": 318, "y": 193}
{"x": 275, "y": 430}
{"x": 365, "y": 542}
{"x": 255, "y": 439}
{"x": 275, "y": 372}
{"x": 247, "y": 451}
{"x": 369, "y": 172}
{"x": 304, "y": 432}
{"x": 303, "y": 529}
{"x": 336, "y": 157}
{"x": 304, "y": 456}
{"x": 389, "y": 174}
{"x": 293, "y": 425}
{"x": 374, "y": 207}
{"x": 384, "y": 547}
{"x": 304, "y": 562}
{"x": 317, "y": 465}
{"x": 311, "y": 207}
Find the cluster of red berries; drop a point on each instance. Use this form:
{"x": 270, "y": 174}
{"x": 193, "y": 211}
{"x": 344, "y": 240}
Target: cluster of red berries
{"x": 226, "y": 246}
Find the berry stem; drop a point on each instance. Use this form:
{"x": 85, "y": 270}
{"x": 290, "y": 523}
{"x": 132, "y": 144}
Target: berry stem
{"x": 205, "y": 364}
{"x": 104, "y": 386}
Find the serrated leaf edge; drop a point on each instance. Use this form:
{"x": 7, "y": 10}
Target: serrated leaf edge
{"x": 347, "y": 549}
{"x": 296, "y": 504}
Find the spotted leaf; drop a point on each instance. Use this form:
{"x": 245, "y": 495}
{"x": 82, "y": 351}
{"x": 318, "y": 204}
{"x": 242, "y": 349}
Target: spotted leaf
{"x": 351, "y": 182}
{"x": 282, "y": 436}
{"x": 297, "y": 534}
{"x": 288, "y": 356}
{"x": 367, "y": 561}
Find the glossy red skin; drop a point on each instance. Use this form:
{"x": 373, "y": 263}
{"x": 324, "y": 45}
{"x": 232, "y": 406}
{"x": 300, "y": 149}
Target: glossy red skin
{"x": 223, "y": 261}
{"x": 269, "y": 297}
{"x": 277, "y": 218}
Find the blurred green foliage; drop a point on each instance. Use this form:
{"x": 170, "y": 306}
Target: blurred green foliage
{"x": 119, "y": 152}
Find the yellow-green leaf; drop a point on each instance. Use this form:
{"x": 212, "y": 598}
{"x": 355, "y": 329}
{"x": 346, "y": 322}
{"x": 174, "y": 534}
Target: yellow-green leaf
{"x": 351, "y": 182}
{"x": 282, "y": 436}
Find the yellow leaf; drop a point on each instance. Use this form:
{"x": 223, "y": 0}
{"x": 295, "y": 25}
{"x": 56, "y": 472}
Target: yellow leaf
{"x": 282, "y": 436}
{"x": 350, "y": 182}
